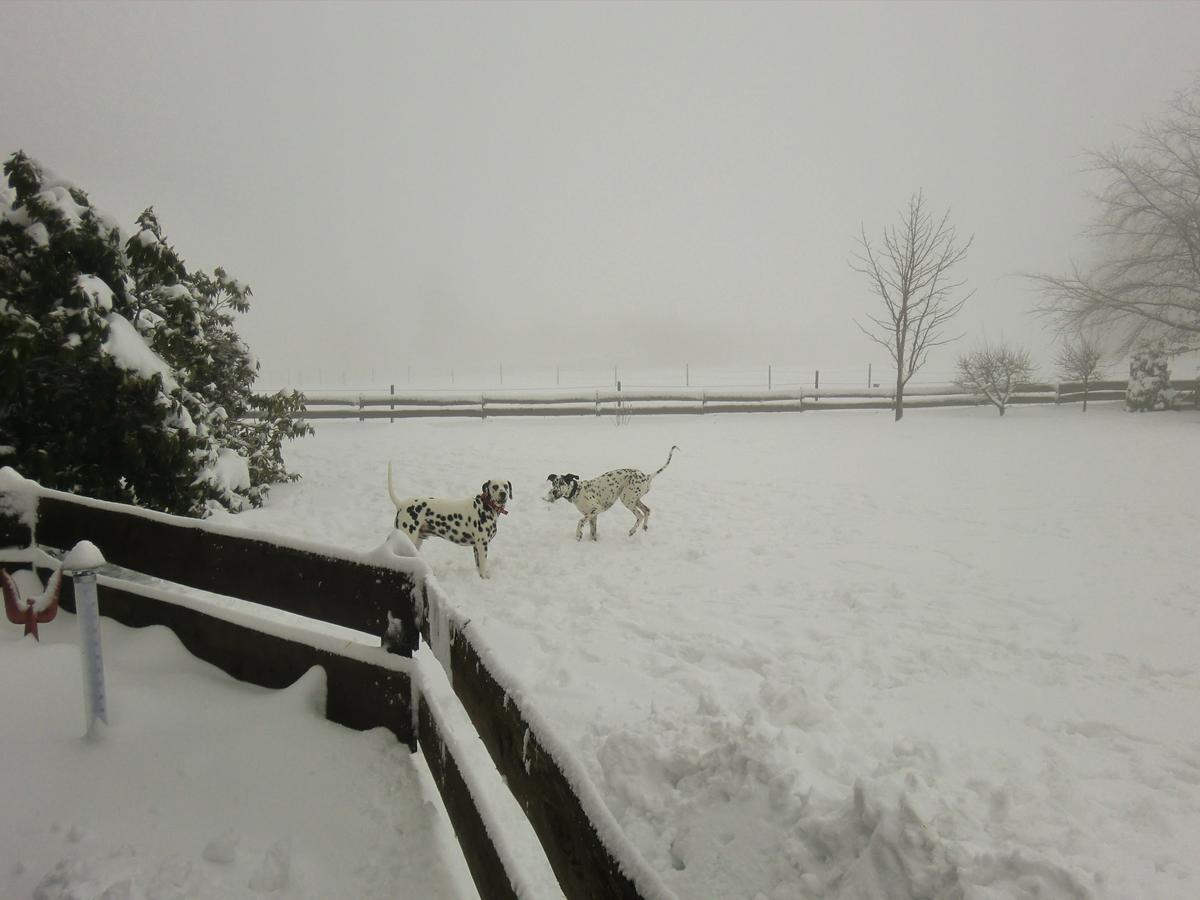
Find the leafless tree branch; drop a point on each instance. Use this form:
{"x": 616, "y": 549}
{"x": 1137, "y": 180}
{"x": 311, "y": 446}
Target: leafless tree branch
{"x": 994, "y": 371}
{"x": 1148, "y": 285}
{"x": 909, "y": 272}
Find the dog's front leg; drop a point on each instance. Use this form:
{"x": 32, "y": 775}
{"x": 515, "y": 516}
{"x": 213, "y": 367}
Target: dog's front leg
{"x": 481, "y": 560}
{"x": 592, "y": 524}
{"x": 579, "y": 529}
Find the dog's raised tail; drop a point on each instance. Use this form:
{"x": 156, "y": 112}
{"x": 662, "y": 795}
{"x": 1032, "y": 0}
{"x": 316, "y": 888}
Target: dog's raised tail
{"x": 396, "y": 501}
{"x": 668, "y": 462}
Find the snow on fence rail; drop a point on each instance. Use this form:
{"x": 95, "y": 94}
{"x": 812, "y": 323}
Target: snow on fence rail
{"x": 390, "y": 405}
{"x": 266, "y": 610}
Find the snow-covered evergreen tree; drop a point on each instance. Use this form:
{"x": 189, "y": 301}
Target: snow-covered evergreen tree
{"x": 121, "y": 374}
{"x": 1149, "y": 380}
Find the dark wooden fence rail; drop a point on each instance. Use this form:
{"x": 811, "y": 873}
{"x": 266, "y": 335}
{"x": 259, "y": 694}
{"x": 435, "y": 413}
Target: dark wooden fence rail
{"x": 583, "y": 862}
{"x": 366, "y": 687}
{"x": 608, "y": 402}
{"x": 324, "y": 586}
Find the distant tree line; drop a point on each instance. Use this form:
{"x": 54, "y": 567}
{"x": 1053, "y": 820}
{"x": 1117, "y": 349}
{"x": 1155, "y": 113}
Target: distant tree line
{"x": 1142, "y": 297}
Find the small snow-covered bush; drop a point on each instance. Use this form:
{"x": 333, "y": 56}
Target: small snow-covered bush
{"x": 1149, "y": 380}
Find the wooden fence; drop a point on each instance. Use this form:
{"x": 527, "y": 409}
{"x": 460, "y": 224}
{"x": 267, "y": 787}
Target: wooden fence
{"x": 390, "y": 405}
{"x": 158, "y": 567}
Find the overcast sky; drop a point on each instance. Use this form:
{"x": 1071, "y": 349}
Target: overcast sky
{"x": 469, "y": 185}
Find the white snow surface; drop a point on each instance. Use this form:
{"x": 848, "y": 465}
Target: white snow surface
{"x": 230, "y": 471}
{"x": 97, "y": 291}
{"x": 953, "y": 657}
{"x": 84, "y": 555}
{"x": 132, "y": 353}
{"x": 201, "y": 786}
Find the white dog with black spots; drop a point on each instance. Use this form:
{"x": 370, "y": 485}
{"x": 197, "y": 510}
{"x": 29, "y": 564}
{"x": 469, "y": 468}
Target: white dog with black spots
{"x": 471, "y": 523}
{"x": 595, "y": 495}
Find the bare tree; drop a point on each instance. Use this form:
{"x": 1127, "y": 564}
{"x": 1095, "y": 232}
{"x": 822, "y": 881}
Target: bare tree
{"x": 1081, "y": 358}
{"x": 1148, "y": 285}
{"x": 994, "y": 371}
{"x": 910, "y": 274}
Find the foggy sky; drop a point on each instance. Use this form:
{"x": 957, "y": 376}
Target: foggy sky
{"x": 465, "y": 185}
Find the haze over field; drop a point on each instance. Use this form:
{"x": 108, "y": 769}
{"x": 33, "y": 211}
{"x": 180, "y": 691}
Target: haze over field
{"x": 463, "y": 185}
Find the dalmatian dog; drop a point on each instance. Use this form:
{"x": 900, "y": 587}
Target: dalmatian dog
{"x": 470, "y": 522}
{"x": 594, "y": 496}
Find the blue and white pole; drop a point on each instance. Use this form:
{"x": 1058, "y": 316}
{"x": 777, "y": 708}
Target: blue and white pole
{"x": 81, "y": 564}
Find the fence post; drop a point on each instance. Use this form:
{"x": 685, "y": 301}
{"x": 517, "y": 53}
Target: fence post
{"x": 483, "y": 406}
{"x": 392, "y": 405}
{"x": 361, "y": 407}
{"x": 817, "y": 380}
{"x": 1057, "y": 392}
{"x": 703, "y": 402}
{"x": 768, "y": 376}
{"x": 597, "y": 402}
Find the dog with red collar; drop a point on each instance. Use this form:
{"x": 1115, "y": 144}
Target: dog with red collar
{"x": 471, "y": 523}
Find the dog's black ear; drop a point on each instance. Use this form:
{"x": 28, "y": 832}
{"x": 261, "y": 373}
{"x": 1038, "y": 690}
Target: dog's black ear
{"x": 510, "y": 492}
{"x": 571, "y": 476}
{"x": 484, "y": 490}
{"x": 551, "y": 477}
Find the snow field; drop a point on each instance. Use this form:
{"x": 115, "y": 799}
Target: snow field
{"x": 203, "y": 787}
{"x": 953, "y": 656}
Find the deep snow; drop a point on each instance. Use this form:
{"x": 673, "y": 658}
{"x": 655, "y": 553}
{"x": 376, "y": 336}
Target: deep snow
{"x": 950, "y": 657}
{"x": 954, "y": 656}
{"x": 201, "y": 786}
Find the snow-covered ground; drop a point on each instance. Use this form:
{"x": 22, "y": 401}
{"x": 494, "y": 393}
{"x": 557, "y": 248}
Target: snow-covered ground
{"x": 202, "y": 787}
{"x": 955, "y": 656}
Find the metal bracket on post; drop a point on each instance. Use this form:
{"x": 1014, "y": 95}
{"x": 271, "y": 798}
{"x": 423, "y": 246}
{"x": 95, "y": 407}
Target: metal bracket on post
{"x": 81, "y": 564}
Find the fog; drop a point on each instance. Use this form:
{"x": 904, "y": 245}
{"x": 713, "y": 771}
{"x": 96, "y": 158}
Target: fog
{"x": 469, "y": 186}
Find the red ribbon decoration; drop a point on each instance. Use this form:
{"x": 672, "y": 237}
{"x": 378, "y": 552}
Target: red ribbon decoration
{"x": 35, "y": 610}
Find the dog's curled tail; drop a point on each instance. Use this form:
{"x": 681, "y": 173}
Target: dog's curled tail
{"x": 391, "y": 491}
{"x": 668, "y": 462}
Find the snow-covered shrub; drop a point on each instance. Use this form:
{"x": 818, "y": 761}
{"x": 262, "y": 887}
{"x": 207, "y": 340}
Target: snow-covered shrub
{"x": 1149, "y": 380}
{"x": 121, "y": 374}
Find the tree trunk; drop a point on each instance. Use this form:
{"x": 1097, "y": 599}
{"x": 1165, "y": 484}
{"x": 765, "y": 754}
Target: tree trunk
{"x": 1085, "y": 393}
{"x": 900, "y": 383}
